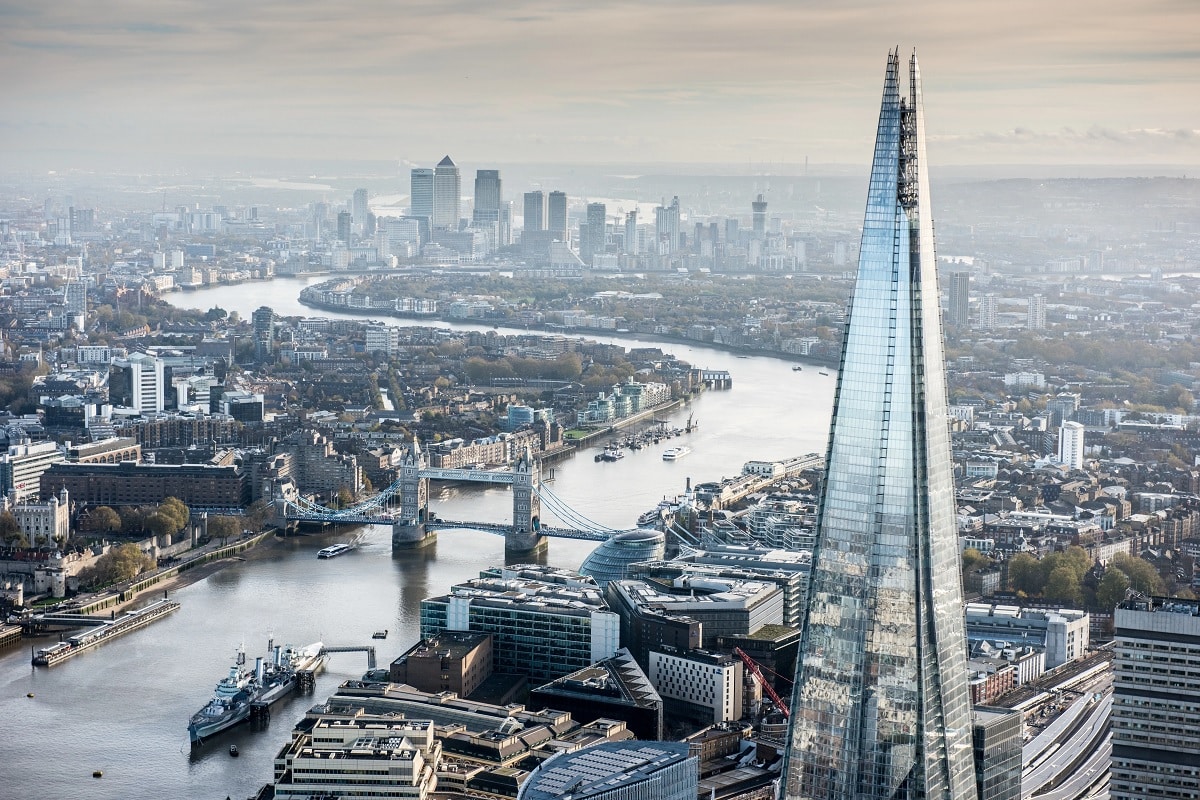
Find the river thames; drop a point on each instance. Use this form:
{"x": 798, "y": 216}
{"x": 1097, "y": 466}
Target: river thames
{"x": 123, "y": 707}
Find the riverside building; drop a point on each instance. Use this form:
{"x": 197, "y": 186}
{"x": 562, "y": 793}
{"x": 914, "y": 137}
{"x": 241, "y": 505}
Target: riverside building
{"x": 881, "y": 708}
{"x": 540, "y": 629}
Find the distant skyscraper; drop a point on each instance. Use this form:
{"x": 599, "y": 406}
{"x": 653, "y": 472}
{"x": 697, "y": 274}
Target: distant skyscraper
{"x": 359, "y": 207}
{"x": 487, "y": 211}
{"x": 343, "y": 226}
{"x": 666, "y": 226}
{"x": 988, "y": 307}
{"x": 1036, "y": 319}
{"x": 422, "y": 192}
{"x": 959, "y": 310}
{"x": 760, "y": 217}
{"x": 487, "y": 193}
{"x": 263, "y": 320}
{"x": 1070, "y": 445}
{"x": 880, "y": 709}
{"x": 597, "y": 228}
{"x": 556, "y": 215}
{"x": 447, "y": 194}
{"x": 631, "y": 232}
{"x": 535, "y": 211}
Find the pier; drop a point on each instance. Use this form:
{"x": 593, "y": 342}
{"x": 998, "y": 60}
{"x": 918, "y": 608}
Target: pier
{"x": 9, "y": 634}
{"x": 129, "y": 621}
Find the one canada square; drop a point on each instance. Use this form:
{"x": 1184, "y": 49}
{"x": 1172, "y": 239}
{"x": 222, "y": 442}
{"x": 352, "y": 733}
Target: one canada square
{"x": 880, "y": 707}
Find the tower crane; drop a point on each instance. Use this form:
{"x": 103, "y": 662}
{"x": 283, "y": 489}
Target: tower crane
{"x": 767, "y": 687}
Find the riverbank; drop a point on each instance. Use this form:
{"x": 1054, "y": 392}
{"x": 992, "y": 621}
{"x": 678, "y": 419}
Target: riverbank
{"x": 194, "y": 567}
{"x": 659, "y": 338}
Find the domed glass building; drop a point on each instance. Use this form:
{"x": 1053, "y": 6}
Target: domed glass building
{"x": 610, "y": 561}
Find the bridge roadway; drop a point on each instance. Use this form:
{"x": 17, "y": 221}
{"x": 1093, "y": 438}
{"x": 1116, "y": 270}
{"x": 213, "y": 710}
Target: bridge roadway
{"x": 490, "y": 527}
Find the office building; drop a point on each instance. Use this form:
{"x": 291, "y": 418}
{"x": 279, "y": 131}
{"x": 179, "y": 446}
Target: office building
{"x": 421, "y": 191}
{"x": 759, "y": 219}
{"x": 612, "y": 558}
{"x": 447, "y": 194}
{"x": 22, "y": 467}
{"x": 666, "y": 227}
{"x": 1070, "y": 445}
{"x": 535, "y": 211}
{"x": 596, "y": 231}
{"x": 788, "y": 570}
{"x": 1156, "y": 700}
{"x": 1036, "y": 317}
{"x": 137, "y": 382}
{"x": 453, "y": 661}
{"x": 616, "y": 771}
{"x": 357, "y": 754}
{"x": 343, "y": 226}
{"x": 556, "y": 215}
{"x": 721, "y": 607}
{"x": 997, "y": 734}
{"x": 613, "y": 688}
{"x": 880, "y": 707}
{"x": 541, "y": 629}
{"x": 959, "y": 310}
{"x": 489, "y": 210}
{"x": 359, "y": 207}
{"x": 488, "y": 193}
{"x": 631, "y": 233}
{"x": 1062, "y": 634}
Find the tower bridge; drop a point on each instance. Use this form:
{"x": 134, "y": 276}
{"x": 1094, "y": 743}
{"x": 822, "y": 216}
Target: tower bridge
{"x": 405, "y": 506}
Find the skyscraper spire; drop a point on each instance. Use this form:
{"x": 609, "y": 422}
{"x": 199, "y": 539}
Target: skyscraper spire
{"x": 880, "y": 707}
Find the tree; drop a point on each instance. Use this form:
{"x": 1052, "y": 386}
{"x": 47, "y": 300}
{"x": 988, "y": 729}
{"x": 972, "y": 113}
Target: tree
{"x": 118, "y": 564}
{"x": 1062, "y": 586}
{"x": 344, "y": 497}
{"x": 10, "y": 530}
{"x": 972, "y": 560}
{"x": 103, "y": 519}
{"x": 1024, "y": 574}
{"x": 174, "y": 509}
{"x": 1142, "y": 576}
{"x": 161, "y": 524}
{"x": 222, "y": 527}
{"x": 1112, "y": 589}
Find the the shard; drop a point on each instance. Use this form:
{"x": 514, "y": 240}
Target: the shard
{"x": 880, "y": 707}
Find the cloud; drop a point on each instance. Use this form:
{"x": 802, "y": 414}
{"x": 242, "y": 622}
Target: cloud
{"x": 670, "y": 79}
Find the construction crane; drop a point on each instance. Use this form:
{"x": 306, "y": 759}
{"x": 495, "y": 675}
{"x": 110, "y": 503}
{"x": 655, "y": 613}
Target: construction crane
{"x": 770, "y": 690}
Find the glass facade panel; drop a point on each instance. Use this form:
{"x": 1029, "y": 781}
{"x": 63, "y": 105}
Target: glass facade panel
{"x": 881, "y": 707}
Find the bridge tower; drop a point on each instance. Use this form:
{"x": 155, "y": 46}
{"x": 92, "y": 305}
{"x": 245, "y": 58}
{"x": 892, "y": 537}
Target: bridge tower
{"x": 409, "y": 529}
{"x": 527, "y": 508}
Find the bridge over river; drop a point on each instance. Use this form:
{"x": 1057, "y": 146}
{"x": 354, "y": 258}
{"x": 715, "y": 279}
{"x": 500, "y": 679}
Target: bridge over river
{"x": 405, "y": 506}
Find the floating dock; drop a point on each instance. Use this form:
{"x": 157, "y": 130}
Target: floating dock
{"x": 9, "y": 634}
{"x": 129, "y": 621}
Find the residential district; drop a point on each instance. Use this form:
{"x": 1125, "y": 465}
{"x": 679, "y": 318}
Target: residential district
{"x": 141, "y": 439}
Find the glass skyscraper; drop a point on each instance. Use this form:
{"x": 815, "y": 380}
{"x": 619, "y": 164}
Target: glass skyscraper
{"x": 880, "y": 707}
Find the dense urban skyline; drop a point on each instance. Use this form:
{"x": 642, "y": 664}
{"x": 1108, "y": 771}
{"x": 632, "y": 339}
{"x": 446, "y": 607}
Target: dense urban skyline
{"x": 1105, "y": 82}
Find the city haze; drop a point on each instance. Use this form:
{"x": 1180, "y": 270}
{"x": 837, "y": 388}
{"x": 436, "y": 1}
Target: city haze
{"x": 161, "y": 85}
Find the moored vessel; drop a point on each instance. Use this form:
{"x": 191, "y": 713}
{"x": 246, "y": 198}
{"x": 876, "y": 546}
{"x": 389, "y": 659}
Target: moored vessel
{"x": 241, "y": 688}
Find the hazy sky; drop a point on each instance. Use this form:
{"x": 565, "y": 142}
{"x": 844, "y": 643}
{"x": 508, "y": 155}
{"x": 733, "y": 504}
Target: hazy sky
{"x": 1023, "y": 81}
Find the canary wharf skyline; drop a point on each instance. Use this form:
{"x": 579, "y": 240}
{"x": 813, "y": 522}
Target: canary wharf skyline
{"x": 716, "y": 82}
